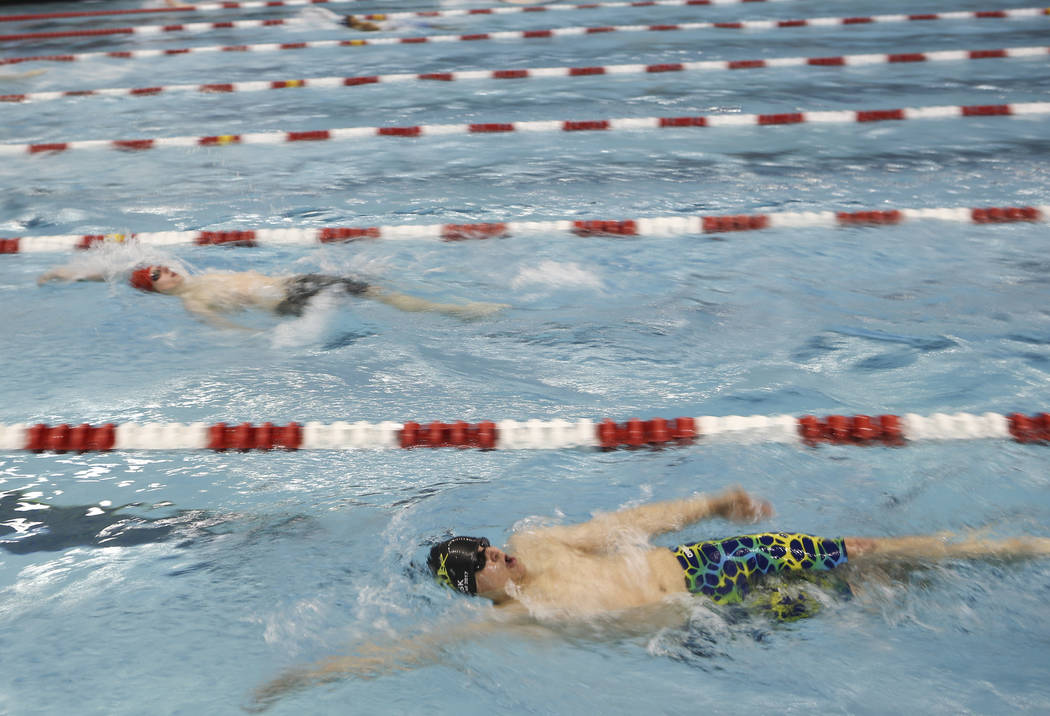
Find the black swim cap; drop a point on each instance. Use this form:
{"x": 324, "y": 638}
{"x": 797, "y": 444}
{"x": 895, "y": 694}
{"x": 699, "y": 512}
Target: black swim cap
{"x": 455, "y": 561}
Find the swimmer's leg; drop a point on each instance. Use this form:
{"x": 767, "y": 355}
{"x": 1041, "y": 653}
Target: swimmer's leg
{"x": 351, "y": 286}
{"x": 926, "y": 548}
{"x": 414, "y": 304}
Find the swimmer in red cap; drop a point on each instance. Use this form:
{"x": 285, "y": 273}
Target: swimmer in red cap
{"x": 355, "y": 23}
{"x": 146, "y": 279}
{"x": 366, "y": 23}
{"x": 212, "y": 294}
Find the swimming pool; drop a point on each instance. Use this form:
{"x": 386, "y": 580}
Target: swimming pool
{"x": 256, "y": 562}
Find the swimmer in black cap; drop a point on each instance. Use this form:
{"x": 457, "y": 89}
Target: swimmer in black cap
{"x": 455, "y": 562}
{"x": 606, "y": 566}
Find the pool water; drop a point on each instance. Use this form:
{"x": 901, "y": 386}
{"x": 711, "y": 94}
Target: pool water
{"x": 179, "y": 582}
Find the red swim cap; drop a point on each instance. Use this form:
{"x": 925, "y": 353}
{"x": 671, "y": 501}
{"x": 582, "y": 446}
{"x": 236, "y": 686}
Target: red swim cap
{"x": 140, "y": 279}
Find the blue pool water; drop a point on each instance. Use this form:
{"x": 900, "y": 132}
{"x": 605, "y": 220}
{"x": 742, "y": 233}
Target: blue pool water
{"x": 243, "y": 565}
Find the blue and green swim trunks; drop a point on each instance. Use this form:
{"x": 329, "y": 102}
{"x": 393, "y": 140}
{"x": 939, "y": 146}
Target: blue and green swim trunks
{"x": 726, "y": 569}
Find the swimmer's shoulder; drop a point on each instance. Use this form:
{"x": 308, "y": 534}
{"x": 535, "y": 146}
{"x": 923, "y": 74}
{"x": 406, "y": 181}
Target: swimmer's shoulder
{"x": 535, "y": 541}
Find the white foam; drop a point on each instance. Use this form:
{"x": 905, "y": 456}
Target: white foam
{"x": 554, "y": 273}
{"x": 310, "y": 328}
{"x": 115, "y": 258}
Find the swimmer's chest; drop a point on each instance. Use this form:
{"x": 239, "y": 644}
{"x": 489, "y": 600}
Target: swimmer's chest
{"x": 601, "y": 582}
{"x": 230, "y": 292}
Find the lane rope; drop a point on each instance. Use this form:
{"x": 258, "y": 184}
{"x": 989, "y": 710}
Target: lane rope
{"x": 1015, "y": 13}
{"x": 892, "y": 430}
{"x": 268, "y": 4}
{"x": 539, "y": 73}
{"x": 665, "y": 226}
{"x": 526, "y": 35}
{"x": 723, "y": 121}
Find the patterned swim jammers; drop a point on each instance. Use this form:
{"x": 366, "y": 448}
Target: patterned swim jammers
{"x": 726, "y": 569}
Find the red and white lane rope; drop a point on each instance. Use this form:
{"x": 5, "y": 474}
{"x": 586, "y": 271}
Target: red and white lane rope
{"x": 542, "y": 73}
{"x": 657, "y": 226}
{"x": 153, "y": 29}
{"x": 1013, "y": 13}
{"x": 556, "y": 7}
{"x": 267, "y": 4}
{"x": 530, "y": 434}
{"x": 1018, "y": 109}
{"x": 526, "y": 35}
{"x": 201, "y": 7}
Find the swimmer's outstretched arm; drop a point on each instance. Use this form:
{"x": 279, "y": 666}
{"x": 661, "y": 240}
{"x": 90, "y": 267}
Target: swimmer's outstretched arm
{"x": 372, "y": 660}
{"x": 68, "y": 273}
{"x": 204, "y": 313}
{"x": 405, "y": 302}
{"x": 659, "y": 517}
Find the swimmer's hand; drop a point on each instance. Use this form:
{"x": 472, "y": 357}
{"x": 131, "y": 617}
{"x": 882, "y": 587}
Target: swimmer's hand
{"x": 737, "y": 505}
{"x": 55, "y": 274}
{"x": 371, "y": 661}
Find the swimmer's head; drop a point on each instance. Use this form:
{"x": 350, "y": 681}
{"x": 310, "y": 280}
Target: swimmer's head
{"x": 454, "y": 562}
{"x": 158, "y": 279}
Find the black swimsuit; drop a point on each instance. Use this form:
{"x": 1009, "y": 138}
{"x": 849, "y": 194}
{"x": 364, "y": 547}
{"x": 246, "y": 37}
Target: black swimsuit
{"x": 300, "y": 289}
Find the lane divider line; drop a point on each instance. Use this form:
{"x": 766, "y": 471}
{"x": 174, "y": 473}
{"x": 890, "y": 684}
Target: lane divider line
{"x": 663, "y": 226}
{"x": 539, "y": 73}
{"x": 606, "y": 434}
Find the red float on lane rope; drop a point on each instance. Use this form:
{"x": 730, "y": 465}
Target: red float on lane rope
{"x": 858, "y": 429}
{"x": 459, "y": 434}
{"x": 62, "y": 438}
{"x": 245, "y": 436}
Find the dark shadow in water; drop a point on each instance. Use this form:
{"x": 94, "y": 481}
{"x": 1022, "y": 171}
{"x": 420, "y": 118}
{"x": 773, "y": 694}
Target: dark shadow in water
{"x": 922, "y": 343}
{"x": 887, "y": 361}
{"x": 345, "y": 339}
{"x": 28, "y": 526}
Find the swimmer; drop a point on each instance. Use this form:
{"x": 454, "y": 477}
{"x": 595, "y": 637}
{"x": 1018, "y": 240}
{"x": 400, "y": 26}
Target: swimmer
{"x": 363, "y": 25}
{"x": 19, "y": 76}
{"x": 584, "y": 569}
{"x": 211, "y": 294}
{"x": 366, "y": 23}
{"x": 606, "y": 568}
{"x": 171, "y": 4}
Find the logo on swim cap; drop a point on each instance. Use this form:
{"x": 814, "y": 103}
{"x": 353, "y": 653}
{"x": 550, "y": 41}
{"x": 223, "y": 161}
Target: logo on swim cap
{"x": 454, "y": 562}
